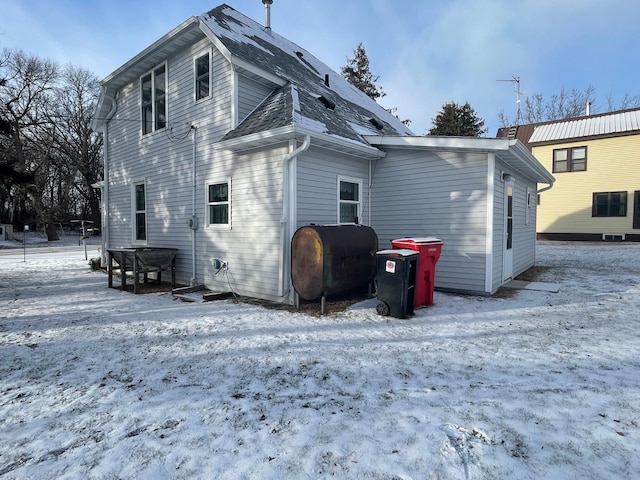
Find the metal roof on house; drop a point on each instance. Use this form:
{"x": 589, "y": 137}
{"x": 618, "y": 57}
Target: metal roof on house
{"x": 612, "y": 123}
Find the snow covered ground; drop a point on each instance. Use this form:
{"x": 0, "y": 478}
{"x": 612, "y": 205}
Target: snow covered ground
{"x": 101, "y": 384}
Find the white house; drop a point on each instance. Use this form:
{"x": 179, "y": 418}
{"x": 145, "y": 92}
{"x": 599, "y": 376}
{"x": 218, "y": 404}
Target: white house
{"x": 222, "y": 138}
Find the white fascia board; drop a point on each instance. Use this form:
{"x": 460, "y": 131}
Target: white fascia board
{"x": 468, "y": 144}
{"x": 236, "y": 62}
{"x": 532, "y": 162}
{"x": 257, "y": 71}
{"x": 238, "y": 143}
{"x": 453, "y": 143}
{"x": 158, "y": 44}
{"x": 290, "y": 131}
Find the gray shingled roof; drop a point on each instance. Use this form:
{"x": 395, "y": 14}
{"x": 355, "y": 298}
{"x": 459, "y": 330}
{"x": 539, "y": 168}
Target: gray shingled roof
{"x": 298, "y": 102}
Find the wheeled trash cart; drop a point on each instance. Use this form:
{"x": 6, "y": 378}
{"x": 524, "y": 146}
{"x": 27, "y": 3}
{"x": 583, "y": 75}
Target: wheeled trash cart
{"x": 396, "y": 281}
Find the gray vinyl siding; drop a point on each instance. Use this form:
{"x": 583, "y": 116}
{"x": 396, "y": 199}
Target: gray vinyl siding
{"x": 418, "y": 194}
{"x": 252, "y": 245}
{"x": 164, "y": 159}
{"x": 250, "y": 95}
{"x": 317, "y": 186}
{"x": 524, "y": 236}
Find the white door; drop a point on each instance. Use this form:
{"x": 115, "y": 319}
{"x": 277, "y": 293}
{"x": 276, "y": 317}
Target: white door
{"x": 507, "y": 262}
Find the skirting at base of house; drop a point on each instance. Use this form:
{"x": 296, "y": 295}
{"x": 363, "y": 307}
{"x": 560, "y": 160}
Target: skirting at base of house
{"x": 589, "y": 237}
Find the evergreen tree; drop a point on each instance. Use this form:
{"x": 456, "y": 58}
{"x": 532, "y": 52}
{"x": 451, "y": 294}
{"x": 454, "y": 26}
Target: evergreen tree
{"x": 357, "y": 73}
{"x": 457, "y": 121}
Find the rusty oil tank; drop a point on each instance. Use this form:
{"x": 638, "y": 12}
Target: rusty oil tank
{"x": 329, "y": 259}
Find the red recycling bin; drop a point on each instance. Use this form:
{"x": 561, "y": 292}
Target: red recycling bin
{"x": 429, "y": 249}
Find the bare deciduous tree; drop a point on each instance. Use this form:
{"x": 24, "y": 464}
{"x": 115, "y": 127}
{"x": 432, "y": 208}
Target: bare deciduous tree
{"x": 47, "y": 148}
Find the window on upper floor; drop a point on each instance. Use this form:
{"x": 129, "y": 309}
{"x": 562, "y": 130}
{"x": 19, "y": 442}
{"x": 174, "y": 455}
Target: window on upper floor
{"x": 203, "y": 76}
{"x": 572, "y": 159}
{"x": 349, "y": 200}
{"x": 609, "y": 204}
{"x": 153, "y": 92}
{"x": 218, "y": 204}
{"x": 140, "y": 212}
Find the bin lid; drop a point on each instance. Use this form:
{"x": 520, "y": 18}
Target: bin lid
{"x": 400, "y": 252}
{"x": 418, "y": 240}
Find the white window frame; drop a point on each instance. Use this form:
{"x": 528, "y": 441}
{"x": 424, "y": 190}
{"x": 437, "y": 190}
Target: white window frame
{"x": 219, "y": 226}
{"x": 154, "y": 113}
{"x": 135, "y": 212}
{"x": 358, "y": 203}
{"x": 209, "y": 56}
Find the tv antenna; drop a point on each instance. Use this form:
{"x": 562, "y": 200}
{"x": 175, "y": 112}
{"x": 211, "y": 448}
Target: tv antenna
{"x": 516, "y": 80}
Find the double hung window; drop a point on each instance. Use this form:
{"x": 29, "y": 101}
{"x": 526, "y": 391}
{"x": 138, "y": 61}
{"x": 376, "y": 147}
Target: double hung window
{"x": 349, "y": 200}
{"x": 570, "y": 159}
{"x": 218, "y": 204}
{"x": 153, "y": 91}
{"x": 140, "y": 213}
{"x": 203, "y": 76}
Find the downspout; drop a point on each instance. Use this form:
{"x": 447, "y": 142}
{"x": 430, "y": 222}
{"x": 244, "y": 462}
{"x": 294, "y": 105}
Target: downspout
{"x": 285, "y": 228}
{"x": 193, "y": 222}
{"x": 548, "y": 187}
{"x": 105, "y": 191}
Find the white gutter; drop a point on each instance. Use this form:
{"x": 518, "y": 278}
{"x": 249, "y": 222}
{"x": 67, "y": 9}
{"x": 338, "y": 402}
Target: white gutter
{"x": 285, "y": 223}
{"x": 536, "y": 167}
{"x": 548, "y": 187}
{"x": 272, "y": 136}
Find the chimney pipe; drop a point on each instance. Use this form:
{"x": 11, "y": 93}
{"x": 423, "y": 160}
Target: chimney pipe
{"x": 588, "y": 109}
{"x": 267, "y": 12}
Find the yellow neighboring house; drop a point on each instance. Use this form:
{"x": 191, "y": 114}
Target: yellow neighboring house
{"x": 595, "y": 160}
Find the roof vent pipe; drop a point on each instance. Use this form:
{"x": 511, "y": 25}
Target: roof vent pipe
{"x": 267, "y": 12}
{"x": 326, "y": 79}
{"x": 588, "y": 109}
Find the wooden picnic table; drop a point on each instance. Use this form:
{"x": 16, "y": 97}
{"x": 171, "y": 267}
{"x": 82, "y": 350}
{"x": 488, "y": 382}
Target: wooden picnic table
{"x": 141, "y": 260}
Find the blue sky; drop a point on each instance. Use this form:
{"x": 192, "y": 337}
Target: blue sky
{"x": 426, "y": 52}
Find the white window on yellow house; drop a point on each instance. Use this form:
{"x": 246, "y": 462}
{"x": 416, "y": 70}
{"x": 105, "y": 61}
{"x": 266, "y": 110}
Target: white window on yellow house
{"x": 572, "y": 159}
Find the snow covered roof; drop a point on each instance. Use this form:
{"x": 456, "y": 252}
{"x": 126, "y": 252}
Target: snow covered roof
{"x": 313, "y": 97}
{"x": 309, "y": 97}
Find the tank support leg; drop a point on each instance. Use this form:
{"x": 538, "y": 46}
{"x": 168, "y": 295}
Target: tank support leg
{"x": 322, "y": 305}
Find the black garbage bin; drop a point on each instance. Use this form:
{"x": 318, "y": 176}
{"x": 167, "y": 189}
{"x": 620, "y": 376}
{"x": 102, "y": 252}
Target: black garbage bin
{"x": 396, "y": 279}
